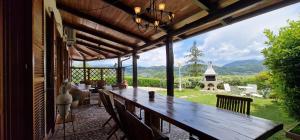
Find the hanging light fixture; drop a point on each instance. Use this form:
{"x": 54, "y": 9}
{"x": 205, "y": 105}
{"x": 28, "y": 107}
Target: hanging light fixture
{"x": 160, "y": 16}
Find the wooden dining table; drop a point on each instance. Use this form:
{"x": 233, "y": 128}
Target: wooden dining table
{"x": 206, "y": 122}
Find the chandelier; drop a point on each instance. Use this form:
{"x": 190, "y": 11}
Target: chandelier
{"x": 157, "y": 11}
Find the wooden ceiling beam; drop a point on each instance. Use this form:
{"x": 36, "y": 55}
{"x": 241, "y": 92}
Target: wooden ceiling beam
{"x": 97, "y": 51}
{"x": 82, "y": 54}
{"x": 131, "y": 12}
{"x": 96, "y": 47}
{"x": 83, "y": 15}
{"x": 209, "y": 7}
{"x": 99, "y": 34}
{"x": 96, "y": 41}
{"x": 218, "y": 14}
{"x": 84, "y": 51}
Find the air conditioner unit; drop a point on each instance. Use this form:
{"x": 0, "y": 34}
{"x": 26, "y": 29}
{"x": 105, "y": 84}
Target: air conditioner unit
{"x": 70, "y": 35}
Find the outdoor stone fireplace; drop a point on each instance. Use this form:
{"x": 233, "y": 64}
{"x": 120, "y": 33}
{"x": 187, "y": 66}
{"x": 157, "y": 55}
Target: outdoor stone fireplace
{"x": 210, "y": 80}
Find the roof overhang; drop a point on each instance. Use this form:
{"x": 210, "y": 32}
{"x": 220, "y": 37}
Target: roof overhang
{"x": 105, "y": 28}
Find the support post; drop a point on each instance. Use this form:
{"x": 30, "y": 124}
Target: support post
{"x": 134, "y": 70}
{"x": 170, "y": 66}
{"x": 119, "y": 71}
{"x": 101, "y": 74}
{"x": 88, "y": 70}
{"x": 84, "y": 70}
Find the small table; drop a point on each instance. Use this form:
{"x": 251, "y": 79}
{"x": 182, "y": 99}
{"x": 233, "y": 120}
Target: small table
{"x": 86, "y": 96}
{"x": 92, "y": 90}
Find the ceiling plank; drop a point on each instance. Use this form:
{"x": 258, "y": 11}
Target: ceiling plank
{"x": 131, "y": 12}
{"x": 190, "y": 19}
{"x": 99, "y": 34}
{"x": 90, "y": 39}
{"x": 96, "y": 47}
{"x": 83, "y": 15}
{"x": 206, "y": 5}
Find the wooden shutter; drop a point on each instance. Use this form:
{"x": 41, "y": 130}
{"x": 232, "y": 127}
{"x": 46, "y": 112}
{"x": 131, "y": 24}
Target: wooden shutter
{"x": 1, "y": 72}
{"x": 38, "y": 77}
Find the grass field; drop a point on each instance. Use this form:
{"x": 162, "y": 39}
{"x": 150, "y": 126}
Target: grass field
{"x": 264, "y": 108}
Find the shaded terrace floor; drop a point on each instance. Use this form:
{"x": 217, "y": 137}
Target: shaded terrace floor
{"x": 89, "y": 120}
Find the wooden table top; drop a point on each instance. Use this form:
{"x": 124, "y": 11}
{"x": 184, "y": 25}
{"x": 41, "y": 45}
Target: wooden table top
{"x": 201, "y": 120}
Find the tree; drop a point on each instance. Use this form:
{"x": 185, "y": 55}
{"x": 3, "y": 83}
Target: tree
{"x": 283, "y": 59}
{"x": 195, "y": 68}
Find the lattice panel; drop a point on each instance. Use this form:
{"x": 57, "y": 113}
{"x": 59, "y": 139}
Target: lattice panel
{"x": 95, "y": 74}
{"x": 110, "y": 76}
{"x": 77, "y": 75}
{"x": 92, "y": 74}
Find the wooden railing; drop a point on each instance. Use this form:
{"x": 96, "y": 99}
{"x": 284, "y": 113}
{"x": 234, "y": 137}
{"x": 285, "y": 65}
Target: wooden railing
{"x": 110, "y": 75}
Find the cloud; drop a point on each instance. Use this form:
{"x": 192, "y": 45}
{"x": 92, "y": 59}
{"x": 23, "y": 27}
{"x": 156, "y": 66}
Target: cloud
{"x": 243, "y": 40}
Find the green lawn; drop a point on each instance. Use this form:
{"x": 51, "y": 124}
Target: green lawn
{"x": 264, "y": 108}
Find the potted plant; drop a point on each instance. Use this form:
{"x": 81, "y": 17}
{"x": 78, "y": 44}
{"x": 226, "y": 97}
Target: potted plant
{"x": 294, "y": 133}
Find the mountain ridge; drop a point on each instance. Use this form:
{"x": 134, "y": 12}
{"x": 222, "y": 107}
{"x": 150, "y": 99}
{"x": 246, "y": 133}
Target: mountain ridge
{"x": 239, "y": 67}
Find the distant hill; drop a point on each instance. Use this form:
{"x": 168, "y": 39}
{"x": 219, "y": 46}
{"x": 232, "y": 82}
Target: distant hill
{"x": 241, "y": 67}
{"x": 244, "y": 63}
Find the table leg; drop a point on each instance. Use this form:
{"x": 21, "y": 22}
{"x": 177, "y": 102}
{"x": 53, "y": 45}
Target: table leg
{"x": 130, "y": 107}
{"x": 64, "y": 126}
{"x": 152, "y": 119}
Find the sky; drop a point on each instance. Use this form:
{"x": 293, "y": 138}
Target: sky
{"x": 240, "y": 41}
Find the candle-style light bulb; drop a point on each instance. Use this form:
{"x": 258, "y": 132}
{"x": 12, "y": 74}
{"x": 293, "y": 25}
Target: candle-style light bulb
{"x": 161, "y": 6}
{"x": 137, "y": 10}
{"x": 138, "y": 20}
{"x": 171, "y": 16}
{"x": 156, "y": 23}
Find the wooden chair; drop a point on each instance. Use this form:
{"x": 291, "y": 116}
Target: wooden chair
{"x": 120, "y": 107}
{"x": 101, "y": 84}
{"x": 234, "y": 103}
{"x": 103, "y": 100}
{"x": 139, "y": 130}
{"x": 113, "y": 115}
{"x": 126, "y": 125}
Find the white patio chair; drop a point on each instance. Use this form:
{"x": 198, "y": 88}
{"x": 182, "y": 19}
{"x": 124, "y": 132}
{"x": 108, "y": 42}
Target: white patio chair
{"x": 252, "y": 89}
{"x": 227, "y": 87}
{"x": 235, "y": 90}
{"x": 81, "y": 86}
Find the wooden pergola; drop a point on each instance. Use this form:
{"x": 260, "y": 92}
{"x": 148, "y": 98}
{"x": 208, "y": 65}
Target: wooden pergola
{"x": 35, "y": 59}
{"x": 106, "y": 29}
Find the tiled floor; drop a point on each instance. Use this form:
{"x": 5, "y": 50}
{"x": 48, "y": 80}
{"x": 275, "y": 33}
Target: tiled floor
{"x": 88, "y": 122}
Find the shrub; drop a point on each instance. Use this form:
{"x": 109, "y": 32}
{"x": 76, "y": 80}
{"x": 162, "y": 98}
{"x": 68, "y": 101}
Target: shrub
{"x": 147, "y": 82}
{"x": 220, "y": 86}
{"x": 192, "y": 82}
{"x": 282, "y": 58}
